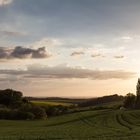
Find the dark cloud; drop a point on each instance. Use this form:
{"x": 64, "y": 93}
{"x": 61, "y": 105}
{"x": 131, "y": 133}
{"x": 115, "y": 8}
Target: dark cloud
{"x": 23, "y": 53}
{"x": 77, "y": 53}
{"x": 97, "y": 55}
{"x": 59, "y": 72}
{"x": 4, "y": 52}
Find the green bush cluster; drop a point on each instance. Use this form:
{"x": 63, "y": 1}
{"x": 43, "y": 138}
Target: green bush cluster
{"x": 14, "y": 106}
{"x": 15, "y": 114}
{"x": 55, "y": 110}
{"x": 31, "y": 112}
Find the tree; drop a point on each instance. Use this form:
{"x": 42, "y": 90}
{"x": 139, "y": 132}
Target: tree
{"x": 10, "y": 97}
{"x": 138, "y": 94}
{"x": 129, "y": 101}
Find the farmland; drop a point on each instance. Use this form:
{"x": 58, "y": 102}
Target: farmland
{"x": 100, "y": 124}
{"x": 56, "y": 101}
{"x": 51, "y": 103}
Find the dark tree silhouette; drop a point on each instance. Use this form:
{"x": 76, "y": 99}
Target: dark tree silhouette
{"x": 10, "y": 97}
{"x": 138, "y": 94}
{"x": 129, "y": 101}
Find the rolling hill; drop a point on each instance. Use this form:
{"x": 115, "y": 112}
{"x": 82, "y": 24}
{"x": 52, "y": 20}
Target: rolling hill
{"x": 86, "y": 125}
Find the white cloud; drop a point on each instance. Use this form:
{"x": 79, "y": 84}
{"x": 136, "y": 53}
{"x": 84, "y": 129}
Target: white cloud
{"x": 126, "y": 38}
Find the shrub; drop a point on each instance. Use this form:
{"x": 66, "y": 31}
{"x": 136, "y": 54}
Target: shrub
{"x": 15, "y": 115}
{"x": 24, "y": 115}
{"x": 8, "y": 114}
{"x": 55, "y": 110}
{"x": 38, "y": 112}
{"x": 4, "y": 113}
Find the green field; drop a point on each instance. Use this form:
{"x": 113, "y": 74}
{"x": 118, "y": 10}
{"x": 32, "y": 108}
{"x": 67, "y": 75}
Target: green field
{"x": 86, "y": 125}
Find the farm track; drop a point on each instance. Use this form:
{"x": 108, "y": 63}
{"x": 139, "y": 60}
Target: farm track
{"x": 84, "y": 119}
{"x": 87, "y": 120}
{"x": 125, "y": 118}
{"x": 136, "y": 116}
{"x": 104, "y": 120}
{"x": 122, "y": 122}
{"x": 100, "y": 121}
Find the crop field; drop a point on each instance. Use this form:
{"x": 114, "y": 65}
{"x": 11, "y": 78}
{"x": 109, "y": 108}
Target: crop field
{"x": 51, "y": 103}
{"x": 87, "y": 125}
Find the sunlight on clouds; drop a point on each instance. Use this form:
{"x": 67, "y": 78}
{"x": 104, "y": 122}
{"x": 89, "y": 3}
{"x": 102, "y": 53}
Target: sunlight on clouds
{"x": 93, "y": 39}
{"x": 5, "y": 2}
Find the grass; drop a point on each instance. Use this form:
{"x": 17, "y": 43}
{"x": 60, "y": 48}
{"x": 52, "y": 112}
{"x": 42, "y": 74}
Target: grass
{"x": 97, "y": 125}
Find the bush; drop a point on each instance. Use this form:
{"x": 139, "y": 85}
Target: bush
{"x": 25, "y": 115}
{"x": 15, "y": 115}
{"x": 55, "y": 110}
{"x": 4, "y": 113}
{"x": 8, "y": 114}
{"x": 38, "y": 112}
{"x": 2, "y": 106}
{"x": 100, "y": 108}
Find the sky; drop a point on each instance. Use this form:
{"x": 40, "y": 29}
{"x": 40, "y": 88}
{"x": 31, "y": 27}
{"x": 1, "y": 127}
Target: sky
{"x": 70, "y": 48}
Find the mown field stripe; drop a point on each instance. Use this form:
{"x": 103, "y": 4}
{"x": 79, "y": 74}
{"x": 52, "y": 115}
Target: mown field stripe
{"x": 121, "y": 121}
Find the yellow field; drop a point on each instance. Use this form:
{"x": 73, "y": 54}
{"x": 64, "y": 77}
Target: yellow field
{"x": 52, "y": 103}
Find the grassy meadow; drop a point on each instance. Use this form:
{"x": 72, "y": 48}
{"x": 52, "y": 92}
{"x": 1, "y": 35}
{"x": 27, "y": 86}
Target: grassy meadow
{"x": 105, "y": 124}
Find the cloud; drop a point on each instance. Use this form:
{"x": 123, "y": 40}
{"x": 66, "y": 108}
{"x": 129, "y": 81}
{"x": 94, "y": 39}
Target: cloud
{"x": 77, "y": 53}
{"x": 64, "y": 72}
{"x": 119, "y": 56}
{"x": 20, "y": 52}
{"x": 5, "y": 2}
{"x": 127, "y": 38}
{"x": 12, "y": 33}
{"x": 51, "y": 42}
{"x": 96, "y": 55}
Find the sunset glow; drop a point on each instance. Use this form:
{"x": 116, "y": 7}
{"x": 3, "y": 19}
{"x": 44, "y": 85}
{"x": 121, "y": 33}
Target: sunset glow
{"x": 75, "y": 48}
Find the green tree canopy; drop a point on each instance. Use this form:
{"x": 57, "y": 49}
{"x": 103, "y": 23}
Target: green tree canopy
{"x": 10, "y": 97}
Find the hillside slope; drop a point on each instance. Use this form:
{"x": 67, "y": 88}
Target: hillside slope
{"x": 104, "y": 124}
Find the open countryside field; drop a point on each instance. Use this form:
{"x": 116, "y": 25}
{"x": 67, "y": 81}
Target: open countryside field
{"x": 57, "y": 101}
{"x": 51, "y": 103}
{"x": 87, "y": 125}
